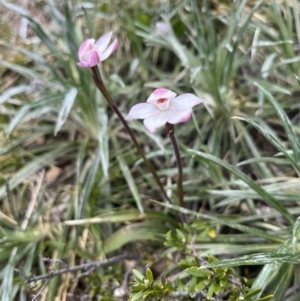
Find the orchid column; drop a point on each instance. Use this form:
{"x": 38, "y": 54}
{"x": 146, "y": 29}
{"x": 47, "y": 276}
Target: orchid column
{"x": 164, "y": 108}
{"x": 90, "y": 54}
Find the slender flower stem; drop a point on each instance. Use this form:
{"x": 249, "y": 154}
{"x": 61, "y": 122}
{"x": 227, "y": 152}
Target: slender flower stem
{"x": 100, "y": 85}
{"x": 170, "y": 132}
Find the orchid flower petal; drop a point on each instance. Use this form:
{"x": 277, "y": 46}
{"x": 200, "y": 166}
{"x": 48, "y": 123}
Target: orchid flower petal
{"x": 185, "y": 102}
{"x": 93, "y": 60}
{"x": 103, "y": 41}
{"x": 160, "y": 94}
{"x": 112, "y": 47}
{"x": 89, "y": 57}
{"x": 91, "y": 53}
{"x": 163, "y": 106}
{"x": 84, "y": 46}
{"x": 153, "y": 122}
{"x": 179, "y": 116}
{"x": 142, "y": 111}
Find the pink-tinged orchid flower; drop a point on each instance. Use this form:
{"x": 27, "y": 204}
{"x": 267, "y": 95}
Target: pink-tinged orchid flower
{"x": 163, "y": 106}
{"x": 91, "y": 53}
{"x": 163, "y": 28}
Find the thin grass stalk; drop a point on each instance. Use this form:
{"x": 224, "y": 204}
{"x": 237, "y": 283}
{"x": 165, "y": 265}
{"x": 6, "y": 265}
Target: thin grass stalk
{"x": 100, "y": 85}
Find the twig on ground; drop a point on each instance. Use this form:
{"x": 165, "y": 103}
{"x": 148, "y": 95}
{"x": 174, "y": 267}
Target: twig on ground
{"x": 86, "y": 266}
{"x": 197, "y": 296}
{"x": 88, "y": 272}
{"x": 39, "y": 293}
{"x": 123, "y": 290}
{"x": 55, "y": 261}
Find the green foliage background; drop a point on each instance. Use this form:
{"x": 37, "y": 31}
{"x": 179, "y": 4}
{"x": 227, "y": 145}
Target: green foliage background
{"x": 73, "y": 188}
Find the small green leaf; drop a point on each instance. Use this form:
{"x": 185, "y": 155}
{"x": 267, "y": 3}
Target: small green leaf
{"x": 180, "y": 234}
{"x": 138, "y": 275}
{"x": 198, "y": 272}
{"x": 211, "y": 258}
{"x": 137, "y": 296}
{"x": 223, "y": 281}
{"x": 200, "y": 286}
{"x": 137, "y": 287}
{"x": 221, "y": 273}
{"x": 217, "y": 288}
{"x": 266, "y": 298}
{"x": 192, "y": 285}
{"x": 210, "y": 291}
{"x": 149, "y": 275}
{"x": 252, "y": 293}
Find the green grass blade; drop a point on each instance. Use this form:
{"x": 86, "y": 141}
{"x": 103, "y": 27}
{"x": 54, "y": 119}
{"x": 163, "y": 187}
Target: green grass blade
{"x": 8, "y": 281}
{"x": 266, "y": 274}
{"x": 26, "y": 72}
{"x": 273, "y": 160}
{"x": 293, "y": 139}
{"x": 70, "y": 29}
{"x": 25, "y": 113}
{"x": 129, "y": 179}
{"x": 272, "y": 140}
{"x": 256, "y": 259}
{"x": 121, "y": 216}
{"x": 10, "y": 145}
{"x": 15, "y": 91}
{"x": 281, "y": 282}
{"x": 89, "y": 182}
{"x": 82, "y": 149}
{"x": 65, "y": 109}
{"x": 230, "y": 223}
{"x": 35, "y": 164}
{"x": 140, "y": 231}
{"x": 104, "y": 142}
{"x": 266, "y": 196}
{"x": 296, "y": 8}
{"x": 296, "y": 233}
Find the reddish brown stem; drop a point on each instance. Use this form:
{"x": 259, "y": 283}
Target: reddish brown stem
{"x": 170, "y": 131}
{"x": 100, "y": 85}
